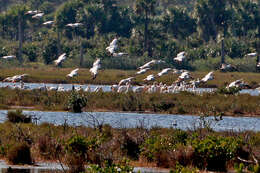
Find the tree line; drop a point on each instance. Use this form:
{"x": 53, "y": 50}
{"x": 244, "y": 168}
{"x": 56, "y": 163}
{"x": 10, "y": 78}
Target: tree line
{"x": 147, "y": 29}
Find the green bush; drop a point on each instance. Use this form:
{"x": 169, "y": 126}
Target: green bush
{"x": 19, "y": 154}
{"x": 213, "y": 152}
{"x": 18, "y": 117}
{"x": 123, "y": 167}
{"x": 76, "y": 102}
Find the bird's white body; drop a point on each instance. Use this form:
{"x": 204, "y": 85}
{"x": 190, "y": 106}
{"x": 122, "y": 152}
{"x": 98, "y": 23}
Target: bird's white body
{"x": 180, "y": 57}
{"x": 73, "y": 73}
{"x": 164, "y": 71}
{"x": 60, "y": 59}
{"x": 96, "y": 66}
{"x": 150, "y": 78}
{"x": 112, "y": 46}
{"x": 252, "y": 54}
{"x": 142, "y": 71}
{"x": 74, "y": 25}
{"x": 9, "y": 57}
{"x": 124, "y": 81}
{"x": 150, "y": 63}
{"x": 208, "y": 77}
{"x": 185, "y": 76}
{"x": 15, "y": 78}
{"x": 119, "y": 54}
{"x": 237, "y": 83}
{"x": 38, "y": 16}
{"x": 48, "y": 22}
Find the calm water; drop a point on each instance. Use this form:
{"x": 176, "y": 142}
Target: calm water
{"x": 121, "y": 120}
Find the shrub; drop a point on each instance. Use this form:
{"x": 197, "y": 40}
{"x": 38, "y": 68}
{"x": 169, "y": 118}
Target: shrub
{"x": 18, "y": 117}
{"x": 230, "y": 90}
{"x": 19, "y": 154}
{"x": 76, "y": 102}
{"x": 213, "y": 152}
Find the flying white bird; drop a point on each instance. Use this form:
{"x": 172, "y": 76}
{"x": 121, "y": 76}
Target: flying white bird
{"x": 238, "y": 83}
{"x": 9, "y": 57}
{"x": 96, "y": 66}
{"x": 164, "y": 71}
{"x": 48, "y": 22}
{"x": 142, "y": 71}
{"x": 74, "y": 25}
{"x": 180, "y": 57}
{"x": 208, "y": 77}
{"x": 38, "y": 16}
{"x": 32, "y": 12}
{"x": 252, "y": 54}
{"x": 119, "y": 54}
{"x": 60, "y": 59}
{"x": 185, "y": 75}
{"x": 112, "y": 46}
{"x": 124, "y": 81}
{"x": 150, "y": 63}
{"x": 73, "y": 73}
{"x": 15, "y": 78}
{"x": 149, "y": 78}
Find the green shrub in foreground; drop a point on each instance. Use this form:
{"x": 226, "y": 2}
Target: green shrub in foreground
{"x": 19, "y": 154}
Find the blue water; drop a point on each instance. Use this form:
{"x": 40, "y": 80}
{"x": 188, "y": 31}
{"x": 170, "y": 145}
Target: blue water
{"x": 126, "y": 120}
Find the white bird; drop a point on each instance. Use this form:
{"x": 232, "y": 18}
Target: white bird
{"x": 180, "y": 57}
{"x": 15, "y": 78}
{"x": 95, "y": 68}
{"x": 60, "y": 59}
{"x": 150, "y": 63}
{"x": 227, "y": 67}
{"x": 32, "y": 12}
{"x": 142, "y": 71}
{"x": 9, "y": 57}
{"x": 208, "y": 77}
{"x": 149, "y": 78}
{"x": 38, "y": 16}
{"x": 119, "y": 54}
{"x": 74, "y": 25}
{"x": 73, "y": 73}
{"x": 252, "y": 54}
{"x": 124, "y": 81}
{"x": 237, "y": 83}
{"x": 112, "y": 46}
{"x": 164, "y": 71}
{"x": 185, "y": 75}
{"x": 48, "y": 22}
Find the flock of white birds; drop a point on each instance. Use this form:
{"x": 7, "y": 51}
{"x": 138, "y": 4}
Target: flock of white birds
{"x": 182, "y": 82}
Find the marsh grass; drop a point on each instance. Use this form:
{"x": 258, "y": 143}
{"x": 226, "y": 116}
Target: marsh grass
{"x": 181, "y": 103}
{"x": 50, "y": 74}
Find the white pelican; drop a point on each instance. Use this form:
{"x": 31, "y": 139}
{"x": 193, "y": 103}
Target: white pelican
{"x": 73, "y": 73}
{"x": 185, "y": 75}
{"x": 15, "y": 78}
{"x": 149, "y": 78}
{"x": 142, "y": 71}
{"x": 164, "y": 71}
{"x": 38, "y": 16}
{"x": 95, "y": 68}
{"x": 150, "y": 63}
{"x": 208, "y": 77}
{"x": 112, "y": 46}
{"x": 180, "y": 57}
{"x": 32, "y": 12}
{"x": 60, "y": 59}
{"x": 237, "y": 83}
{"x": 227, "y": 67}
{"x": 48, "y": 22}
{"x": 74, "y": 25}
{"x": 252, "y": 54}
{"x": 9, "y": 57}
{"x": 119, "y": 54}
{"x": 127, "y": 80}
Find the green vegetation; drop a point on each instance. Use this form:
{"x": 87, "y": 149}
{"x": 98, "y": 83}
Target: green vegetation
{"x": 76, "y": 102}
{"x": 105, "y": 149}
{"x": 181, "y": 103}
{"x": 18, "y": 117}
{"x": 147, "y": 29}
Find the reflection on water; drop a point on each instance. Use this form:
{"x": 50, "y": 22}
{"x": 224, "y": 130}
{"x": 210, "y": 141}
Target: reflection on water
{"x": 128, "y": 120}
